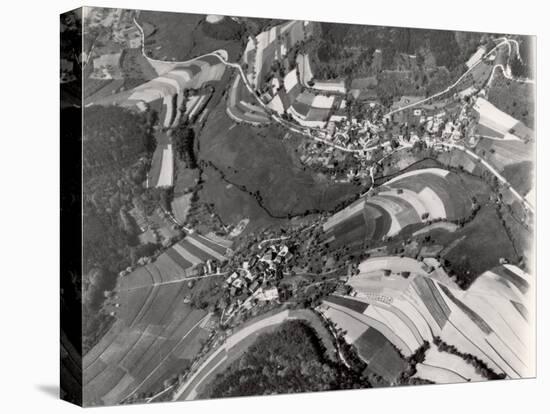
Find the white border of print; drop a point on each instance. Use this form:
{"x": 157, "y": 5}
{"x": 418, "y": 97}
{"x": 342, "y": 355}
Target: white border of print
{"x": 30, "y": 208}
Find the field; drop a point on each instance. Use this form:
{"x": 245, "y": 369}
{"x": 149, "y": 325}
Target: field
{"x": 160, "y": 163}
{"x": 240, "y": 154}
{"x": 365, "y": 335}
{"x": 501, "y": 122}
{"x": 514, "y": 98}
{"x": 242, "y": 106}
{"x": 477, "y": 246}
{"x": 274, "y": 44}
{"x": 381, "y": 357}
{"x": 408, "y": 199}
{"x": 445, "y": 368}
{"x": 180, "y": 207}
{"x": 459, "y": 159}
{"x": 478, "y": 77}
{"x": 304, "y": 68}
{"x": 489, "y": 320}
{"x": 239, "y": 342}
{"x": 156, "y": 334}
{"x": 138, "y": 353}
{"x": 166, "y": 176}
{"x": 182, "y": 36}
{"x": 513, "y": 159}
{"x": 168, "y": 87}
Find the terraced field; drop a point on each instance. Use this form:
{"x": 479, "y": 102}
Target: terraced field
{"x": 168, "y": 87}
{"x": 157, "y": 334}
{"x": 444, "y": 368}
{"x": 273, "y": 44}
{"x": 407, "y": 199}
{"x": 500, "y": 123}
{"x": 242, "y": 106}
{"x": 491, "y": 320}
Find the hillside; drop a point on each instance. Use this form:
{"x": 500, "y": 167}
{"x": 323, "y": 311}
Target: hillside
{"x": 288, "y": 360}
{"x": 116, "y": 145}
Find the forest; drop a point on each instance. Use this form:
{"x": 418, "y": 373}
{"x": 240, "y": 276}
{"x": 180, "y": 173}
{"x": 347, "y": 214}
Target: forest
{"x": 117, "y": 148}
{"x": 290, "y": 359}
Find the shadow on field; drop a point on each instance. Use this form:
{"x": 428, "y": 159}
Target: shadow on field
{"x": 51, "y": 390}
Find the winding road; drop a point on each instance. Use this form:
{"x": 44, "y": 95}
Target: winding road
{"x": 448, "y": 88}
{"x": 504, "y": 41}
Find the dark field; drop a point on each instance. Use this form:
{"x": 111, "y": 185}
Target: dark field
{"x": 514, "y": 98}
{"x": 482, "y": 243}
{"x": 381, "y": 357}
{"x": 354, "y": 305}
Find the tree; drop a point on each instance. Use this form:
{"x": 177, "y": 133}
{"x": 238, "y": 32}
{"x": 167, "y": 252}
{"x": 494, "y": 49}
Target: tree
{"x": 183, "y": 140}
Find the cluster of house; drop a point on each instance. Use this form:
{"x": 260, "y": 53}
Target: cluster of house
{"x": 254, "y": 273}
{"x": 430, "y": 124}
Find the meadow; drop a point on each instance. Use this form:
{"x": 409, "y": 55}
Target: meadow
{"x": 257, "y": 162}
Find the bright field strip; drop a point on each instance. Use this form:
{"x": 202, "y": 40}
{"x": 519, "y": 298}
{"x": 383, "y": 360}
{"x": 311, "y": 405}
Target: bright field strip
{"x": 166, "y": 178}
{"x": 186, "y": 255}
{"x": 452, "y": 362}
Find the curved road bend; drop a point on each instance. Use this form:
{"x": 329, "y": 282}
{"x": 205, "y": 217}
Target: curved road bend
{"x": 293, "y": 128}
{"x": 506, "y": 42}
{"x": 229, "y": 343}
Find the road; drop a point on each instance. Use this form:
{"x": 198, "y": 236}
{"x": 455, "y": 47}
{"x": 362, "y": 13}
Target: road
{"x": 303, "y": 131}
{"x": 183, "y": 279}
{"x": 229, "y": 343}
{"x": 493, "y": 171}
{"x": 506, "y": 42}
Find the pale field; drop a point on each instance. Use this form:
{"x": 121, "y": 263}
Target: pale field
{"x": 443, "y": 225}
{"x": 353, "y": 320}
{"x": 392, "y": 210}
{"x": 186, "y": 255}
{"x": 353, "y": 327}
{"x": 492, "y": 117}
{"x": 437, "y": 374}
{"x": 330, "y": 86}
{"x": 434, "y": 203}
{"x": 291, "y": 80}
{"x": 395, "y": 263}
{"x": 323, "y": 102}
{"x": 195, "y": 107}
{"x": 396, "y": 325}
{"x": 180, "y": 207}
{"x": 304, "y": 68}
{"x": 196, "y": 242}
{"x": 452, "y": 362}
{"x": 166, "y": 178}
{"x": 412, "y": 198}
{"x": 344, "y": 214}
{"x": 167, "y": 101}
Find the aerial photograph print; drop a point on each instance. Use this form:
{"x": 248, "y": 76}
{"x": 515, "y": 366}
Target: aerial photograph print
{"x": 279, "y": 206}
